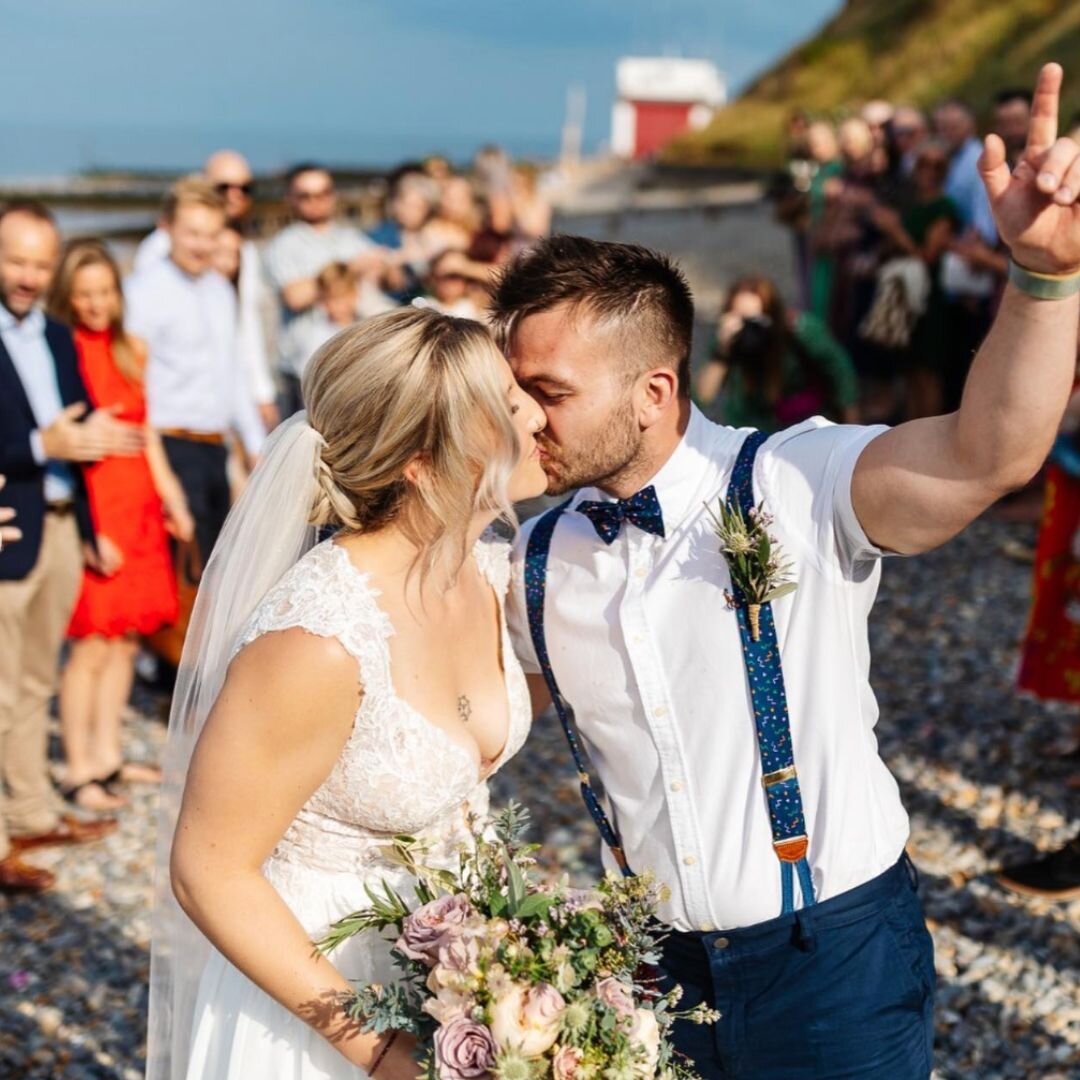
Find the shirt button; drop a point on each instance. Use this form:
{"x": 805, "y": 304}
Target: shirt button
{"x": 660, "y": 710}
{"x": 690, "y": 860}
{"x": 721, "y": 943}
{"x": 641, "y": 572}
{"x": 676, "y": 785}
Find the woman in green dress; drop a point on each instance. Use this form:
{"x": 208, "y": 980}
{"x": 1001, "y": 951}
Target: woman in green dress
{"x": 776, "y": 366}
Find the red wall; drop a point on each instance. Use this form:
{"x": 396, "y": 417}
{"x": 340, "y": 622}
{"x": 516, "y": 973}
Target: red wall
{"x": 658, "y": 122}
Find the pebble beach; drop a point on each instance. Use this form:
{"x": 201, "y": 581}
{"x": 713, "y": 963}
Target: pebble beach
{"x": 968, "y": 753}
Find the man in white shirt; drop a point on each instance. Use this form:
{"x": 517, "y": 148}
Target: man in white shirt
{"x": 294, "y": 258}
{"x": 627, "y": 616}
{"x": 231, "y": 177}
{"x": 197, "y": 390}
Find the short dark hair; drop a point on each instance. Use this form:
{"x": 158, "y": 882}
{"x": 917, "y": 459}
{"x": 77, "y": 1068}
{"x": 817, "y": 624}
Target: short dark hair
{"x": 303, "y": 167}
{"x": 1011, "y": 94}
{"x": 31, "y": 208}
{"x": 644, "y": 290}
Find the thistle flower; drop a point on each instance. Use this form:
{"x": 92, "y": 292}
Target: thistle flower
{"x": 759, "y": 572}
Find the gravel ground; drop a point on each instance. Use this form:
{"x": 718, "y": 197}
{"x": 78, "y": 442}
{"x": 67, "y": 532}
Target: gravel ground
{"x": 966, "y": 750}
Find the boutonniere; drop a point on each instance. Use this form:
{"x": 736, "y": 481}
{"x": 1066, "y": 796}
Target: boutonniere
{"x": 759, "y": 570}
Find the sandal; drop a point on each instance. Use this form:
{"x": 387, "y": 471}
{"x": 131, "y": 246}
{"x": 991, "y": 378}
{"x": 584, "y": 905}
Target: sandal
{"x": 131, "y": 772}
{"x": 105, "y": 800}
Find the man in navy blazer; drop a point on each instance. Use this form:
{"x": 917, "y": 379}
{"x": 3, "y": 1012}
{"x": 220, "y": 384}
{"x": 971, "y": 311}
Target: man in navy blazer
{"x": 47, "y": 431}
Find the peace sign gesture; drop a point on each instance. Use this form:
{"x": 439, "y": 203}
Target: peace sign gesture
{"x": 1035, "y": 206}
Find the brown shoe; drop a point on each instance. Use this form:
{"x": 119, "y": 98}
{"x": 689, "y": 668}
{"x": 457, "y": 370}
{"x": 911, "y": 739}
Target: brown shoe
{"x": 17, "y": 876}
{"x": 69, "y": 830}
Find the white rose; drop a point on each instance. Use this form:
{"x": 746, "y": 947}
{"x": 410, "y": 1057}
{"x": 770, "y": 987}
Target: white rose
{"x": 644, "y": 1032}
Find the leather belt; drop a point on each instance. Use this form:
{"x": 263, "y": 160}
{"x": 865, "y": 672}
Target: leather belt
{"x": 209, "y": 438}
{"x": 60, "y": 509}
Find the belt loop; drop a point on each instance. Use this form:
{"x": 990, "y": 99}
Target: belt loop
{"x": 912, "y": 871}
{"x": 805, "y": 936}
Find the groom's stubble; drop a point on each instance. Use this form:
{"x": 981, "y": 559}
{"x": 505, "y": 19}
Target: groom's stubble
{"x": 604, "y": 459}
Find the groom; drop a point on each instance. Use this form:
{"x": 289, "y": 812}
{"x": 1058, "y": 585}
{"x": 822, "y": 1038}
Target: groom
{"x": 742, "y": 768}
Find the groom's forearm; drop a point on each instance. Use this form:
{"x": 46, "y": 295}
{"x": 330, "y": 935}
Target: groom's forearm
{"x": 920, "y": 484}
{"x": 1016, "y": 393}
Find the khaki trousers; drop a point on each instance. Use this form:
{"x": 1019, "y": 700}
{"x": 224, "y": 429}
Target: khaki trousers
{"x": 34, "y": 616}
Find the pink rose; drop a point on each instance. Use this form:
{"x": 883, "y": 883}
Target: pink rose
{"x": 424, "y": 930}
{"x": 616, "y": 995}
{"x": 464, "y": 1050}
{"x": 565, "y": 1063}
{"x": 527, "y": 1019}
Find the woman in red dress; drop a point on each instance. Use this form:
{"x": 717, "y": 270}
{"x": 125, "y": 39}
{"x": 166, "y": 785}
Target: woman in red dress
{"x": 135, "y": 502}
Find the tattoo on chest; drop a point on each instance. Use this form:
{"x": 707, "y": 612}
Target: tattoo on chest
{"x": 464, "y": 709}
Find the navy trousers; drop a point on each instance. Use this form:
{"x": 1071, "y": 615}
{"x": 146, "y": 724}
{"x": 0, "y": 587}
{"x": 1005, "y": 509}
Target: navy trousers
{"x": 844, "y": 989}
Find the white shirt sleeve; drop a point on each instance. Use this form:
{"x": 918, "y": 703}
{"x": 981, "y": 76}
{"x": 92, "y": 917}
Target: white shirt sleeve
{"x": 250, "y": 338}
{"x": 517, "y": 618}
{"x": 804, "y": 476}
{"x": 153, "y": 248}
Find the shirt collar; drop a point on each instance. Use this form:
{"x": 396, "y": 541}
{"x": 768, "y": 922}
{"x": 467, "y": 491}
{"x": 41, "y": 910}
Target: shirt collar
{"x": 33, "y": 323}
{"x": 678, "y": 480}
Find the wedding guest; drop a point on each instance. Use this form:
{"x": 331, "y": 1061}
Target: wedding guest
{"x": 295, "y": 256}
{"x": 1012, "y": 115}
{"x": 231, "y": 176}
{"x": 532, "y": 210}
{"x": 197, "y": 390}
{"x": 449, "y": 287}
{"x": 344, "y": 298}
{"x": 777, "y": 366}
{"x": 1050, "y": 655}
{"x": 409, "y": 207}
{"x": 457, "y": 216}
{"x": 130, "y": 498}
{"x": 42, "y": 401}
{"x": 925, "y": 229}
{"x": 954, "y": 125}
{"x": 237, "y": 260}
{"x": 909, "y": 129}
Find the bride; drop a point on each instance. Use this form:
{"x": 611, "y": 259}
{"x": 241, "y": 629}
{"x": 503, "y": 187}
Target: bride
{"x": 333, "y": 695}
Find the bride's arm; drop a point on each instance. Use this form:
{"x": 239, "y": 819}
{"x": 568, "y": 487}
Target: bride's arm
{"x": 284, "y": 714}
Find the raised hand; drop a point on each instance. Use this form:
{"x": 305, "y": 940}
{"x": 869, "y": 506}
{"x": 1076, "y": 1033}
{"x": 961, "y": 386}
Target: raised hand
{"x": 1035, "y": 206}
{"x": 100, "y": 435}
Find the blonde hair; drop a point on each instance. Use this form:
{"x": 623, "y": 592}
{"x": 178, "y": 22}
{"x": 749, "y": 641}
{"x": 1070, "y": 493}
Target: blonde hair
{"x": 411, "y": 385}
{"x": 336, "y": 277}
{"x": 77, "y": 256}
{"x": 192, "y": 190}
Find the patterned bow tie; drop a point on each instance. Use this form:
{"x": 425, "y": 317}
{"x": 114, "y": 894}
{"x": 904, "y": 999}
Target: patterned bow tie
{"x": 642, "y": 510}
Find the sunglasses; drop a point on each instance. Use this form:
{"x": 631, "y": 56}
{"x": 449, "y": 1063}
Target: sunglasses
{"x": 246, "y": 188}
{"x": 311, "y": 196}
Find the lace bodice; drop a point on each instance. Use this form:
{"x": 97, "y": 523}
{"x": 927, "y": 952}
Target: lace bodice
{"x": 397, "y": 773}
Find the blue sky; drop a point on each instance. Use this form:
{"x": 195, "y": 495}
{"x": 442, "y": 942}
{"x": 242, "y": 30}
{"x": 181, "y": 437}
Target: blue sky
{"x": 161, "y": 82}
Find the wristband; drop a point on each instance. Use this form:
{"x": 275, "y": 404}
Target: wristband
{"x": 1044, "y": 286}
{"x": 382, "y": 1053}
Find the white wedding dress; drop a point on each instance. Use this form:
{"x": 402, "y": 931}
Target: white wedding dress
{"x": 397, "y": 774}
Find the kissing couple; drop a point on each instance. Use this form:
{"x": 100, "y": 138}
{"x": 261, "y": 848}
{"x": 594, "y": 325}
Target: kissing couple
{"x": 335, "y": 694}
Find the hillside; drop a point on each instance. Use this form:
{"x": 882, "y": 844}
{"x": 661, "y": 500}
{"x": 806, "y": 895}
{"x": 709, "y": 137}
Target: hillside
{"x": 914, "y": 51}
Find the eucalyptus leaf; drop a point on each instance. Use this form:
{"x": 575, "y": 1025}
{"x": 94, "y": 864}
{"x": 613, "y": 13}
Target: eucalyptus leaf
{"x": 779, "y": 591}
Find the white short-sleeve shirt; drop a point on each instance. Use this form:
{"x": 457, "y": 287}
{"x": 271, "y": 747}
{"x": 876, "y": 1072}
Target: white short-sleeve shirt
{"x": 647, "y": 651}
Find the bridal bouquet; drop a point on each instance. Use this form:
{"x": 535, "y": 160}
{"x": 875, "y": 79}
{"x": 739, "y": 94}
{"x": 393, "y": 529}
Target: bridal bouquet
{"x": 504, "y": 978}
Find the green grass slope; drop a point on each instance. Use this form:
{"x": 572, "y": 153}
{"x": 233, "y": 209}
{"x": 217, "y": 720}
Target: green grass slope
{"x": 911, "y": 51}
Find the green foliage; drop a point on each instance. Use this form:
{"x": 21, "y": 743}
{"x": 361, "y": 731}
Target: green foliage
{"x": 907, "y": 51}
